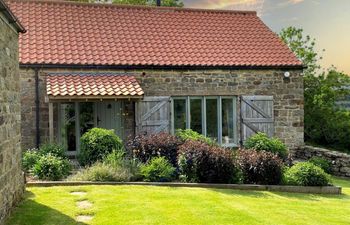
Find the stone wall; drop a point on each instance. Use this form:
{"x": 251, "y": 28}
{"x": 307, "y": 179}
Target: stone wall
{"x": 11, "y": 177}
{"x": 340, "y": 161}
{"x": 28, "y": 128}
{"x": 287, "y": 93}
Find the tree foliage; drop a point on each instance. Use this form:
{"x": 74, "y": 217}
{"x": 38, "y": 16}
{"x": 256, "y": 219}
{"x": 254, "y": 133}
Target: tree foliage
{"x": 303, "y": 47}
{"x": 325, "y": 122}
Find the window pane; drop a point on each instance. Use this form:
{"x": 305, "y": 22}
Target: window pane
{"x": 179, "y": 114}
{"x": 196, "y": 115}
{"x": 86, "y": 116}
{"x": 212, "y": 118}
{"x": 227, "y": 121}
{"x": 68, "y": 126}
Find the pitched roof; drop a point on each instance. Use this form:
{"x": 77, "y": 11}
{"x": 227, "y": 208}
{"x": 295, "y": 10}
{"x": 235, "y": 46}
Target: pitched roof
{"x": 12, "y": 19}
{"x": 92, "y": 85}
{"x": 69, "y": 33}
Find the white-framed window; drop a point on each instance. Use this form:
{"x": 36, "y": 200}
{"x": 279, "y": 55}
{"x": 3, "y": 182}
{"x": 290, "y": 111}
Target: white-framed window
{"x": 212, "y": 116}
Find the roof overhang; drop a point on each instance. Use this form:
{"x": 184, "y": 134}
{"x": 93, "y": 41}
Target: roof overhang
{"x": 92, "y": 87}
{"x": 91, "y": 98}
{"x": 11, "y": 17}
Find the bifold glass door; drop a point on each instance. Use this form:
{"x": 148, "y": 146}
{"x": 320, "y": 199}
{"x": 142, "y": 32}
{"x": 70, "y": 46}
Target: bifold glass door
{"x": 212, "y": 116}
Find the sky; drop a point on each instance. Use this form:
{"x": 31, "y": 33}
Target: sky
{"x": 328, "y": 21}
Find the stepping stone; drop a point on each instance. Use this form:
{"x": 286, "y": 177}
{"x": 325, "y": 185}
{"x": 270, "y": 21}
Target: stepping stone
{"x": 78, "y": 193}
{"x": 84, "y": 204}
{"x": 84, "y": 218}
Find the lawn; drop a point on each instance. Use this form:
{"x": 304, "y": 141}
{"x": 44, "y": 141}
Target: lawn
{"x": 165, "y": 205}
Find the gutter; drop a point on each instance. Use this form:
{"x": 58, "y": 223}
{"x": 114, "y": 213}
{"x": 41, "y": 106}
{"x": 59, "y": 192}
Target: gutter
{"x": 11, "y": 17}
{"x": 159, "y": 67}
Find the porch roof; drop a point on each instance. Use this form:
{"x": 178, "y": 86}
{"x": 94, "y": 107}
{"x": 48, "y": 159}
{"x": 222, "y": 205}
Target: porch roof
{"x": 62, "y": 86}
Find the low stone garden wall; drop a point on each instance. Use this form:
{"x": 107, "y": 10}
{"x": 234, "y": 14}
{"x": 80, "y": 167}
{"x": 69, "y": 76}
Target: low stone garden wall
{"x": 251, "y": 187}
{"x": 340, "y": 161}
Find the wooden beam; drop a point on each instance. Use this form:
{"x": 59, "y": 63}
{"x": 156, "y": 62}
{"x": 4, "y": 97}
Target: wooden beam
{"x": 51, "y": 134}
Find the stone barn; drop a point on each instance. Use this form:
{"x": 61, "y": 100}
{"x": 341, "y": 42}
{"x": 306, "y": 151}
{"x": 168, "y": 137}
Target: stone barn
{"x": 141, "y": 69}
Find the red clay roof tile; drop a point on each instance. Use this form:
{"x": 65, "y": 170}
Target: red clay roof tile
{"x": 92, "y": 84}
{"x": 105, "y": 34}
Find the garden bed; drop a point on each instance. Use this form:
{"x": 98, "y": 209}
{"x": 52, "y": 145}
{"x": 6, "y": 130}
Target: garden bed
{"x": 186, "y": 160}
{"x": 280, "y": 188}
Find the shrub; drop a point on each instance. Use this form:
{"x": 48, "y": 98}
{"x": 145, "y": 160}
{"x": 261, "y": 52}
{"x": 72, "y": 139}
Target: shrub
{"x": 51, "y": 167}
{"x": 30, "y": 157}
{"x": 306, "y": 174}
{"x": 261, "y": 141}
{"x": 158, "y": 169}
{"x": 115, "y": 167}
{"x": 200, "y": 162}
{"x": 145, "y": 148}
{"x": 96, "y": 144}
{"x": 189, "y": 134}
{"x": 101, "y": 172}
{"x": 115, "y": 158}
{"x": 54, "y": 149}
{"x": 322, "y": 163}
{"x": 121, "y": 162}
{"x": 260, "y": 167}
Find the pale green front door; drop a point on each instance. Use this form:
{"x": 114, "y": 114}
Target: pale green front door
{"x": 109, "y": 116}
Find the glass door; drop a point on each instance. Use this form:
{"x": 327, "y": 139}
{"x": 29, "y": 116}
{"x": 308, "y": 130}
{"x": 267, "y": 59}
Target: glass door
{"x": 67, "y": 123}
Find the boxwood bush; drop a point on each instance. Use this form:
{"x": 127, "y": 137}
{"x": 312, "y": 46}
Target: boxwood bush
{"x": 96, "y": 144}
{"x": 306, "y": 174}
{"x": 261, "y": 141}
{"x": 158, "y": 169}
{"x": 51, "y": 167}
{"x": 200, "y": 162}
{"x": 325, "y": 164}
{"x": 145, "y": 147}
{"x": 260, "y": 167}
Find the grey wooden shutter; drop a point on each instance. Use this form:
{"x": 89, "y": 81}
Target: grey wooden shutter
{"x": 153, "y": 115}
{"x": 256, "y": 116}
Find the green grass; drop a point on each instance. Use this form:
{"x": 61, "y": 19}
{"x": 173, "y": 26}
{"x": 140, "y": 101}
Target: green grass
{"x": 165, "y": 205}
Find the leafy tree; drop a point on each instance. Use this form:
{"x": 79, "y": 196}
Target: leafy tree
{"x": 302, "y": 46}
{"x": 325, "y": 122}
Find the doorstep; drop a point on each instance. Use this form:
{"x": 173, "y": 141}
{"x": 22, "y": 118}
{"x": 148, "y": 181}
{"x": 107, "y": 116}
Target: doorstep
{"x": 252, "y": 187}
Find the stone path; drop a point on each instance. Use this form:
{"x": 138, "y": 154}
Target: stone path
{"x": 78, "y": 193}
{"x": 84, "y": 218}
{"x": 83, "y": 204}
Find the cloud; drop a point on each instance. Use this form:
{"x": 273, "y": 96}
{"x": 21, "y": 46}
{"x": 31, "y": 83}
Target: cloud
{"x": 295, "y": 1}
{"x": 227, "y": 4}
